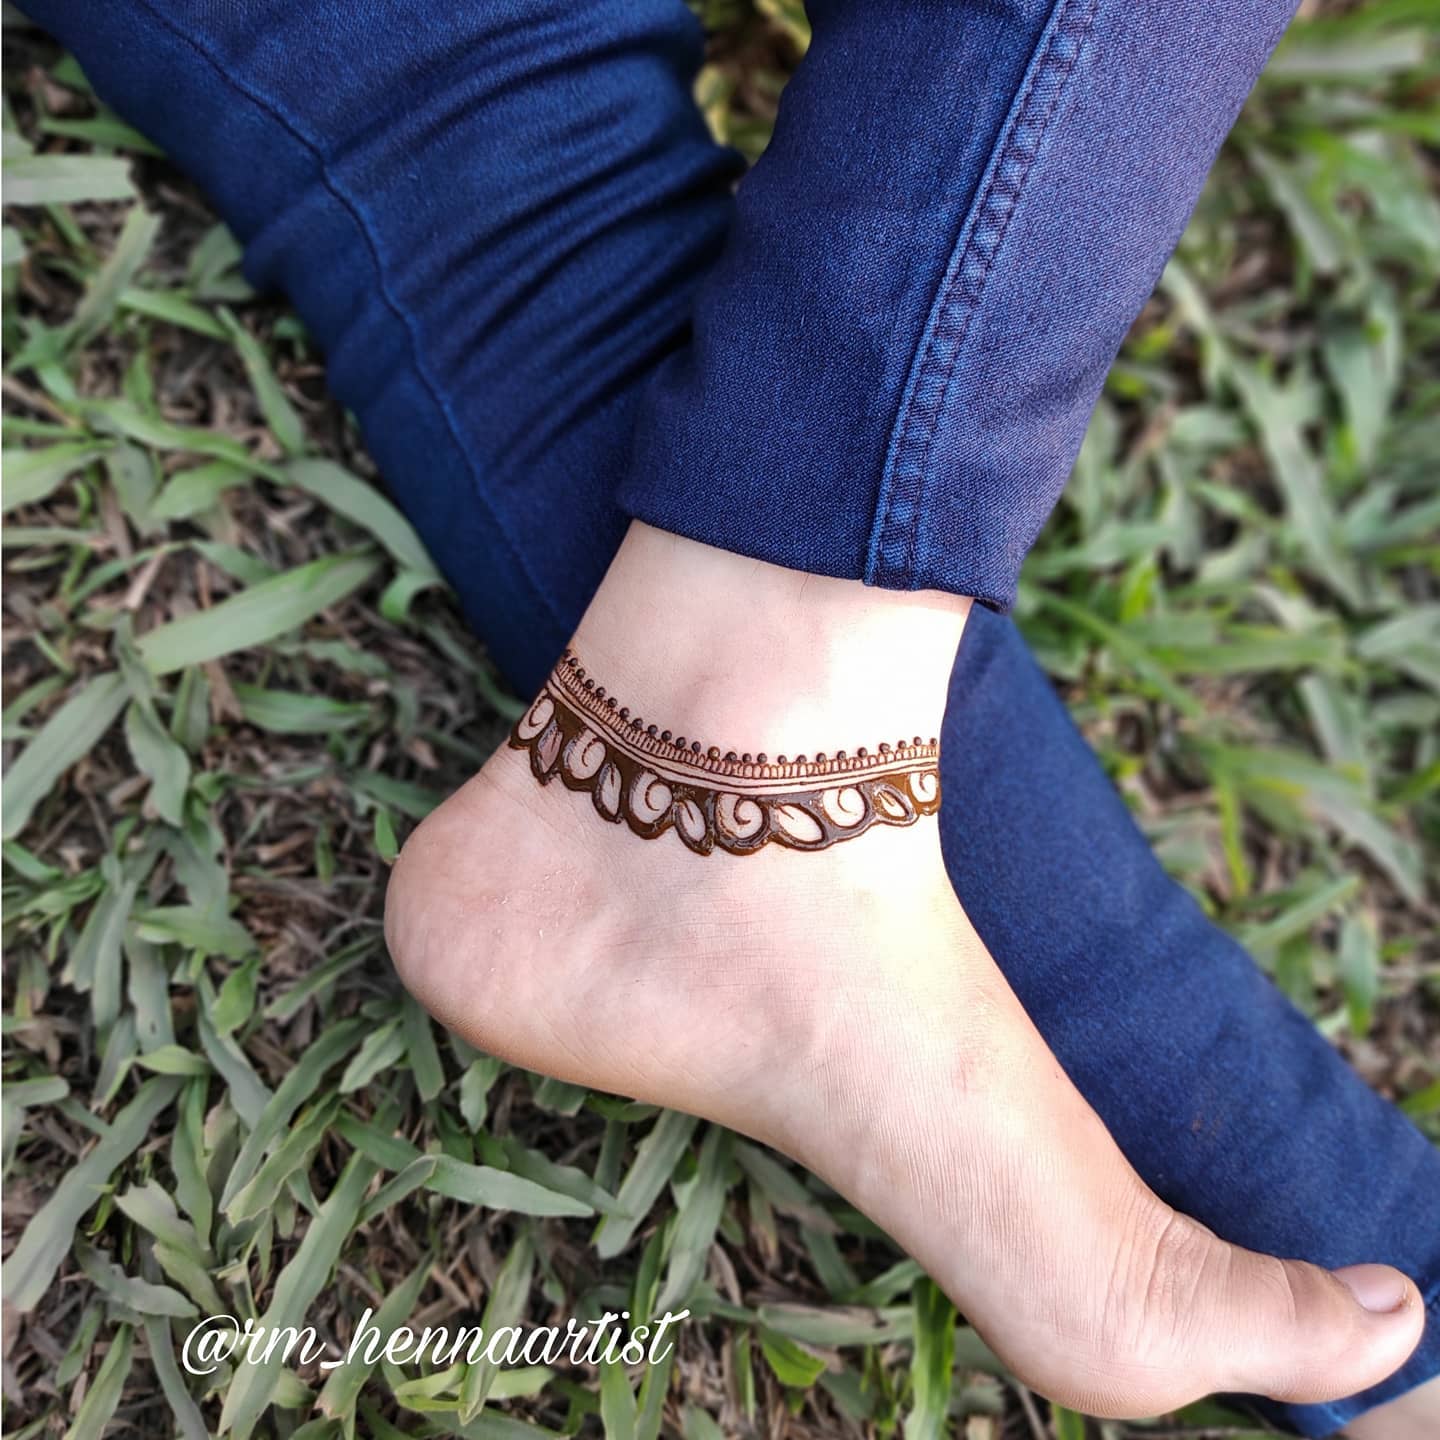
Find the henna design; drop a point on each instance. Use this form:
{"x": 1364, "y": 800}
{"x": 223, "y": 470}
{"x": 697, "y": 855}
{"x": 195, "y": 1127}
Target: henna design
{"x": 655, "y": 781}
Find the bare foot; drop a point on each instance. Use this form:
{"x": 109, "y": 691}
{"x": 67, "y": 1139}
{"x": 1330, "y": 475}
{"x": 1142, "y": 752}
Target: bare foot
{"x": 837, "y": 1004}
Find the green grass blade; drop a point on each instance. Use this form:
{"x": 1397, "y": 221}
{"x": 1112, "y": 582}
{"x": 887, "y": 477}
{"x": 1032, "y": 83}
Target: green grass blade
{"x": 295, "y": 1290}
{"x": 655, "y": 1162}
{"x": 364, "y": 505}
{"x": 256, "y": 615}
{"x": 68, "y": 735}
{"x": 41, "y": 1250}
{"x": 698, "y": 1220}
{"x": 934, "y": 1362}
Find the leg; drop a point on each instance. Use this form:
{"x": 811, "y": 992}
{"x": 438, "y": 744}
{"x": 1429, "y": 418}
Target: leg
{"x": 962, "y": 210}
{"x": 402, "y": 465}
{"x": 1224, "y": 1097}
{"x": 488, "y": 313}
{"x": 836, "y": 1003}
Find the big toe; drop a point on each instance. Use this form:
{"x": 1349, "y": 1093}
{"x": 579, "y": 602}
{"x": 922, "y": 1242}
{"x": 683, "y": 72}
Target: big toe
{"x": 1191, "y": 1315}
{"x": 1104, "y": 1298}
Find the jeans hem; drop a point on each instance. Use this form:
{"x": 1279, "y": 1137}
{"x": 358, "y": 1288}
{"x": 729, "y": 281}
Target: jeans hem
{"x": 890, "y": 561}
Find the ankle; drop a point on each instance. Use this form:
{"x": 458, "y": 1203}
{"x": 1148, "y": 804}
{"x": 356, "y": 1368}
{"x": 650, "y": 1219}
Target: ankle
{"x": 742, "y": 655}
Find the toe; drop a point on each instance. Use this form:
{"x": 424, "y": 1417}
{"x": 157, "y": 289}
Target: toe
{"x": 1191, "y": 1315}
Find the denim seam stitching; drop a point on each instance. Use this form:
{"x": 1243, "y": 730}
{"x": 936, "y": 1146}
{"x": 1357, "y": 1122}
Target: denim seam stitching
{"x": 903, "y": 480}
{"x": 356, "y": 212}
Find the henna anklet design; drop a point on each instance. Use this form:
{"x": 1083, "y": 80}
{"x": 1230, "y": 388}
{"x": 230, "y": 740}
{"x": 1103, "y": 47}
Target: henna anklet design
{"x": 654, "y": 780}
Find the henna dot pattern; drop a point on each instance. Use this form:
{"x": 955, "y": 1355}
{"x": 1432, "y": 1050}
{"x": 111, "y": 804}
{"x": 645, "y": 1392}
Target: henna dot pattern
{"x": 712, "y": 800}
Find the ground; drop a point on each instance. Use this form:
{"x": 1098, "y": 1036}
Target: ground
{"x": 207, "y": 1058}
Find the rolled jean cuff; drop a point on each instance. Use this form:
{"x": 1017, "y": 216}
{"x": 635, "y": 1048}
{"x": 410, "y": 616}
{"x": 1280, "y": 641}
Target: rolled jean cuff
{"x": 929, "y": 273}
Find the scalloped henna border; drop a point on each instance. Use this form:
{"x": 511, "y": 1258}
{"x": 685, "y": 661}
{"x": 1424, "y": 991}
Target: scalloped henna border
{"x": 653, "y": 782}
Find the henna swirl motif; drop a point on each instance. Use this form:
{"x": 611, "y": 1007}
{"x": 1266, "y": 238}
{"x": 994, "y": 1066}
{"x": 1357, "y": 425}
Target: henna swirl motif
{"x": 640, "y": 775}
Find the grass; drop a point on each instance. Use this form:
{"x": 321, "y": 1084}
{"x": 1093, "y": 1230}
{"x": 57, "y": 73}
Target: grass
{"x": 233, "y": 679}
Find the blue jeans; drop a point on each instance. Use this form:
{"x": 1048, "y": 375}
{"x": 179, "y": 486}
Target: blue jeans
{"x": 508, "y": 228}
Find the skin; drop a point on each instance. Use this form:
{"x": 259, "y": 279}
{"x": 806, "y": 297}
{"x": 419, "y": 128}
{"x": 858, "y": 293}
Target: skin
{"x": 1414, "y": 1416}
{"x": 839, "y": 1006}
{"x": 660, "y": 783}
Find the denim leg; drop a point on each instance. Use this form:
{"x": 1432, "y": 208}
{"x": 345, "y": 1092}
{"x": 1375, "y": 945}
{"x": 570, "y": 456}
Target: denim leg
{"x": 964, "y": 206}
{"x": 1223, "y": 1096}
{"x": 417, "y": 207}
{"x": 490, "y": 214}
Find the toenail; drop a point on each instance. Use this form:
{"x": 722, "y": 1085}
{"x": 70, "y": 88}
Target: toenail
{"x": 1377, "y": 1288}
